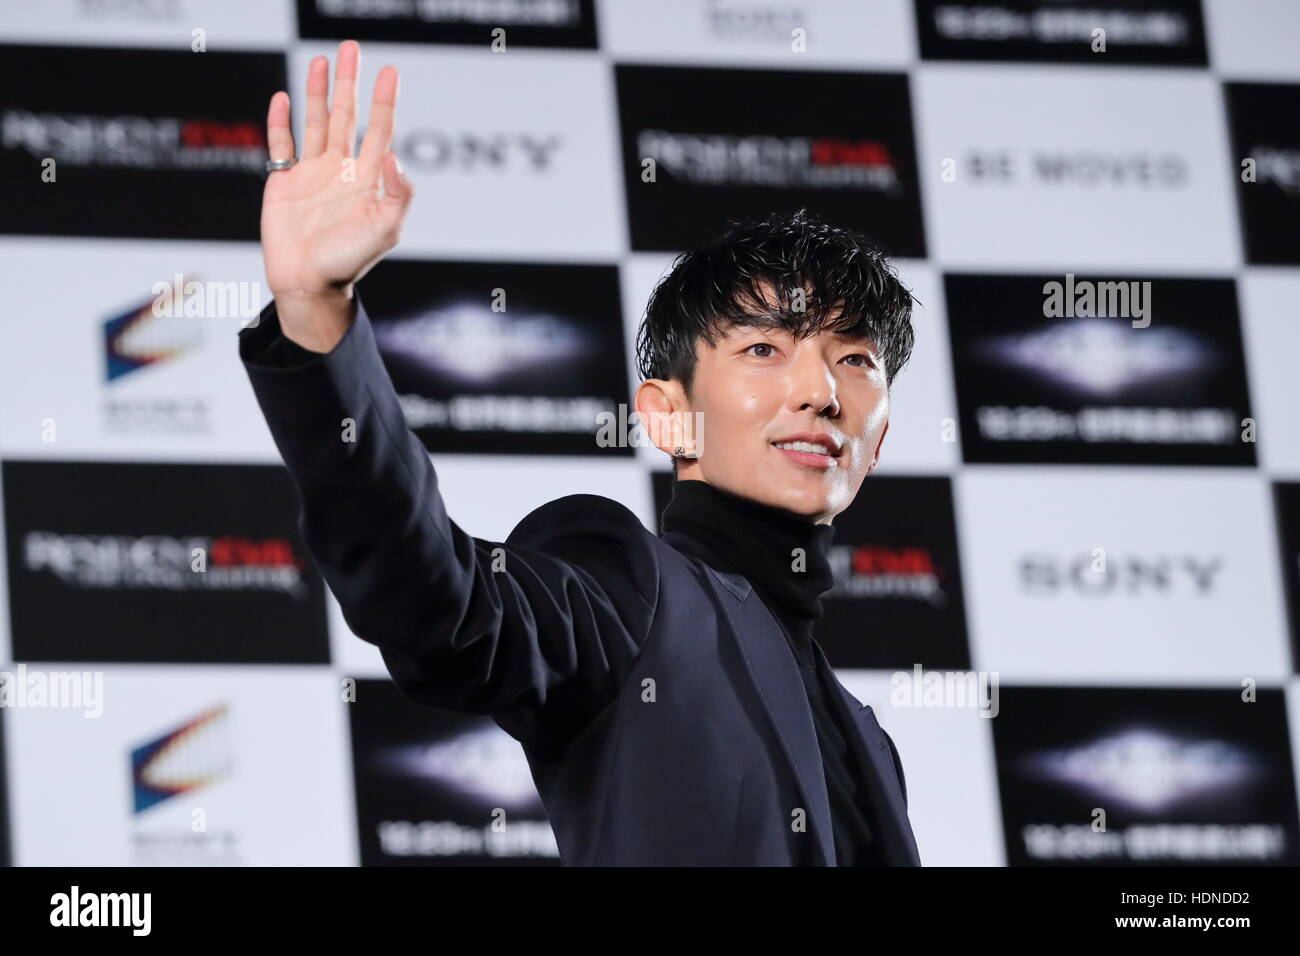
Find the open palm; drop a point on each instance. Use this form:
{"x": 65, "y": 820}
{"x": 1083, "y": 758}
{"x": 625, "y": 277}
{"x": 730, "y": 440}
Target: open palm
{"x": 324, "y": 222}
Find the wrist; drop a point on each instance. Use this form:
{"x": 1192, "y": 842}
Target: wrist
{"x": 317, "y": 321}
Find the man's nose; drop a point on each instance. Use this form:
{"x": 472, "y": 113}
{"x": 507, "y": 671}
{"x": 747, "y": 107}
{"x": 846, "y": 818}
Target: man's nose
{"x": 814, "y": 383}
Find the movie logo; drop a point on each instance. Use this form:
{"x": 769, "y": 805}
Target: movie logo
{"x": 1096, "y": 32}
{"x": 1087, "y": 369}
{"x": 898, "y": 597}
{"x": 491, "y": 24}
{"x": 701, "y": 146}
{"x": 1137, "y": 776}
{"x": 159, "y": 563}
{"x": 502, "y": 358}
{"x": 436, "y": 788}
{"x": 1266, "y": 158}
{"x": 174, "y": 147}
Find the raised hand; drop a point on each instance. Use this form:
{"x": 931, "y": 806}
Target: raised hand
{"x": 324, "y": 222}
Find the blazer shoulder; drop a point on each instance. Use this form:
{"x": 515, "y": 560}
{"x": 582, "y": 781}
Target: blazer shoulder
{"x": 579, "y": 515}
{"x": 597, "y": 534}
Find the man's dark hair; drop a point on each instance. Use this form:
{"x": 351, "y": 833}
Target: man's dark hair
{"x": 717, "y": 285}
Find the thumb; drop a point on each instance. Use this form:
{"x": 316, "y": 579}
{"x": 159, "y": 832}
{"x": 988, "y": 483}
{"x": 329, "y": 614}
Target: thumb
{"x": 397, "y": 188}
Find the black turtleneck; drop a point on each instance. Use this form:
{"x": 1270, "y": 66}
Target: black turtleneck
{"x": 758, "y": 541}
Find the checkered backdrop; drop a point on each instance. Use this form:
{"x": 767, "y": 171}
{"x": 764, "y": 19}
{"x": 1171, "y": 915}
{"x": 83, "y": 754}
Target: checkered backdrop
{"x": 1069, "y": 590}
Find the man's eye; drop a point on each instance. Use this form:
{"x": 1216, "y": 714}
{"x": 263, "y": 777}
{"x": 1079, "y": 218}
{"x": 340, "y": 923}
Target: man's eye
{"x": 868, "y": 363}
{"x": 761, "y": 345}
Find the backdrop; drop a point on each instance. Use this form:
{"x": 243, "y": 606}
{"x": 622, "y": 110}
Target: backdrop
{"x": 1071, "y": 591}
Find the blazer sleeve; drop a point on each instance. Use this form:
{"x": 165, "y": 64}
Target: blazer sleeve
{"x": 538, "y": 631}
{"x": 898, "y": 764}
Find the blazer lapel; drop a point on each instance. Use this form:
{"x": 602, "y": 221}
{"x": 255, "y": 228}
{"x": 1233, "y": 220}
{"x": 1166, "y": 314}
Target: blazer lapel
{"x": 772, "y": 668}
{"x": 873, "y": 754}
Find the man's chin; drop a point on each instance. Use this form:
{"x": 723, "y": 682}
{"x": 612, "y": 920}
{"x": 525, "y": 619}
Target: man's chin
{"x": 809, "y": 499}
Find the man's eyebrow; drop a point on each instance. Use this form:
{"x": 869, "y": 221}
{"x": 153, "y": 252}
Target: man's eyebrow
{"x": 862, "y": 337}
{"x": 762, "y": 324}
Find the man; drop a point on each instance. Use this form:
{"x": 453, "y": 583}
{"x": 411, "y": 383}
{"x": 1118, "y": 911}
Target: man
{"x": 667, "y": 691}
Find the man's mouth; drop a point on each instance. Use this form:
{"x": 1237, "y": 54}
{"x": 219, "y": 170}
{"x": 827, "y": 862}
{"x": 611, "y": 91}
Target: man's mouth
{"x": 816, "y": 450}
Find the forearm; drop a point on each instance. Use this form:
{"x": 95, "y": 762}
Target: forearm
{"x": 372, "y": 515}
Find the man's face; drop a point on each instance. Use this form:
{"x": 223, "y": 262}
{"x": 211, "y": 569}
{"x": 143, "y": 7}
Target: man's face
{"x": 759, "y": 388}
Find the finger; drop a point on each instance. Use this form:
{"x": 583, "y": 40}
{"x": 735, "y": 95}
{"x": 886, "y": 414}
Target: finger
{"x": 379, "y": 128}
{"x": 279, "y": 138}
{"x": 318, "y": 84}
{"x": 343, "y": 116}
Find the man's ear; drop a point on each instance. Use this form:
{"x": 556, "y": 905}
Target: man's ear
{"x": 656, "y": 400}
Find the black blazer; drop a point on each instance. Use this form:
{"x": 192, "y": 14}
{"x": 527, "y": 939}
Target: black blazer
{"x": 656, "y": 698}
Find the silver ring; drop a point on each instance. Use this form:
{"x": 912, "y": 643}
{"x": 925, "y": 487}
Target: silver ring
{"x": 273, "y": 165}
